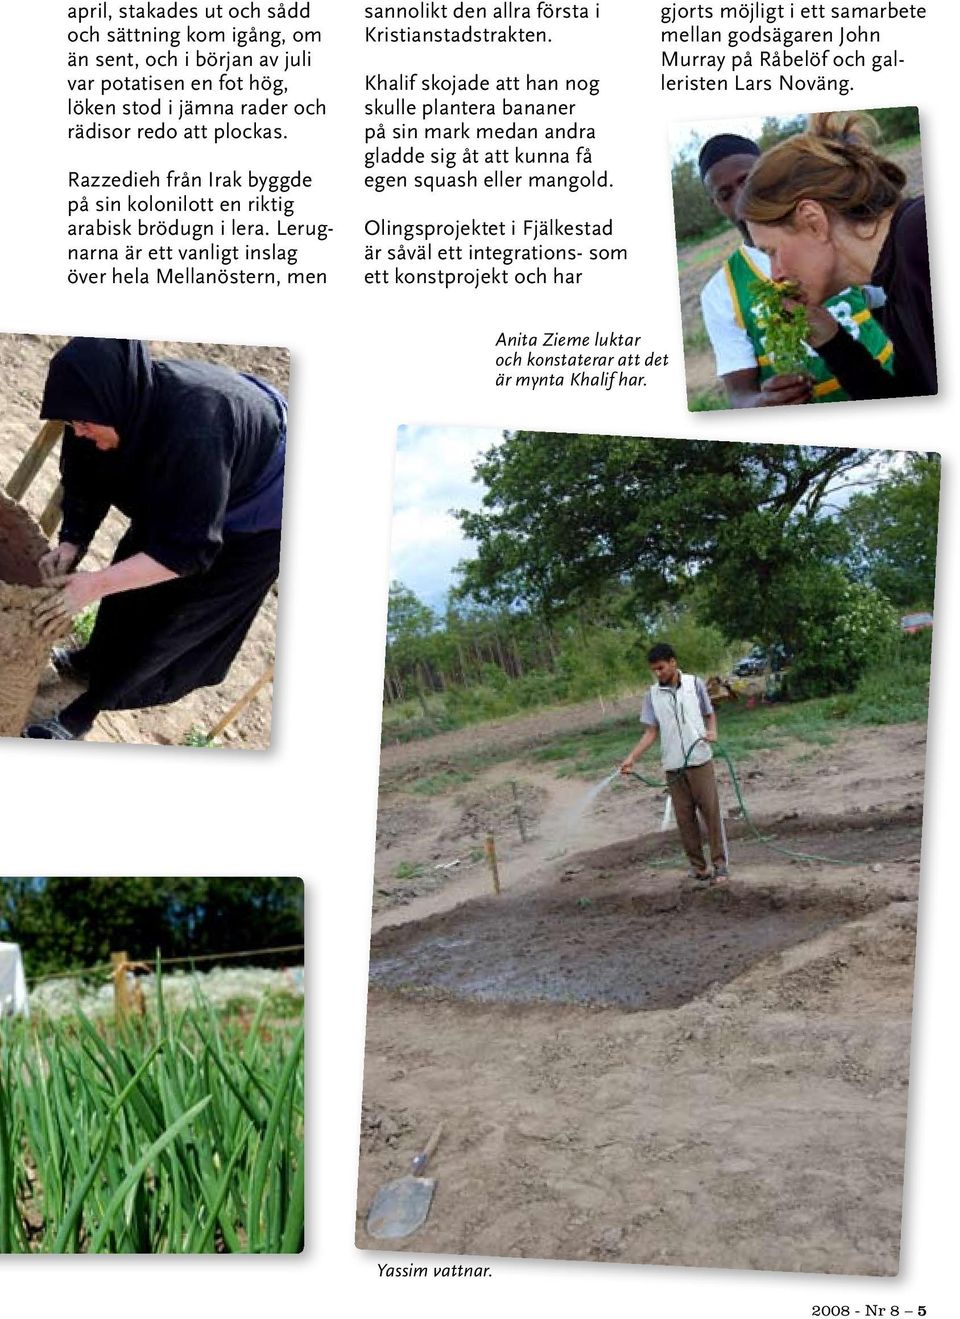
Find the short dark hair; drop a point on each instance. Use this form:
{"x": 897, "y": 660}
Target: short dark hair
{"x": 661, "y": 651}
{"x": 720, "y": 147}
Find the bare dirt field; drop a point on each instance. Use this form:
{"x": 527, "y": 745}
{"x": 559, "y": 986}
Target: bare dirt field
{"x": 698, "y": 261}
{"x": 628, "y": 1069}
{"x": 23, "y": 365}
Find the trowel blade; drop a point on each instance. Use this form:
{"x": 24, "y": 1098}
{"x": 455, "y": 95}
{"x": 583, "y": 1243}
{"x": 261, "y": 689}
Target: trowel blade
{"x": 400, "y": 1207}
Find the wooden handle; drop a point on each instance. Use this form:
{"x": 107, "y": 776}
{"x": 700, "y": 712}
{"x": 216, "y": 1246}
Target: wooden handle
{"x": 242, "y": 704}
{"x": 421, "y": 1160}
{"x": 430, "y": 1148}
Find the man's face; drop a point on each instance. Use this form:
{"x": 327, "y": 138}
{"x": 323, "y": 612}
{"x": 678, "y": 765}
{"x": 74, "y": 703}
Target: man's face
{"x": 665, "y": 671}
{"x": 724, "y": 182}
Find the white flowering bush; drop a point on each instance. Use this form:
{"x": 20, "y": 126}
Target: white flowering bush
{"x": 222, "y": 987}
{"x": 853, "y": 627}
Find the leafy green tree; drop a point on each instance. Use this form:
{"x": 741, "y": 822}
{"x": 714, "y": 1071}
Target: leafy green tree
{"x": 407, "y": 616}
{"x": 784, "y": 582}
{"x": 898, "y": 122}
{"x": 844, "y": 635}
{"x": 894, "y": 532}
{"x": 694, "y": 213}
{"x": 778, "y": 130}
{"x": 771, "y": 575}
{"x": 565, "y": 517}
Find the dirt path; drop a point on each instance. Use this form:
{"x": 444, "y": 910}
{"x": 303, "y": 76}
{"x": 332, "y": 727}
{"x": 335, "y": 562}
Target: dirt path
{"x": 629, "y": 1070}
{"x": 23, "y": 364}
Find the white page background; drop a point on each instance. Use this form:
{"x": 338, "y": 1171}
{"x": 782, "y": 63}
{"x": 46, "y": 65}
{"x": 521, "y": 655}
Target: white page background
{"x": 363, "y": 361}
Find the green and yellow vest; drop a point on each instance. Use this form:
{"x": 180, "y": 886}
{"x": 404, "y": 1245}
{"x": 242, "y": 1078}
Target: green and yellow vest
{"x": 849, "y": 308}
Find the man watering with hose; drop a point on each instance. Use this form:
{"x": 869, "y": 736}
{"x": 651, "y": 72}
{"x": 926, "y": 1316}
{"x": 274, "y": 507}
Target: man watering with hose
{"x": 678, "y": 710}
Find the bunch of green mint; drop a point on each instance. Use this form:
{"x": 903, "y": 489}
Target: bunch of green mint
{"x": 784, "y": 329}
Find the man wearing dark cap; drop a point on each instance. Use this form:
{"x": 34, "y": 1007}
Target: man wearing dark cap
{"x": 747, "y": 370}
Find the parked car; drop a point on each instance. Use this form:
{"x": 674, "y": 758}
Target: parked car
{"x": 912, "y": 623}
{"x": 762, "y": 659}
{"x": 752, "y": 664}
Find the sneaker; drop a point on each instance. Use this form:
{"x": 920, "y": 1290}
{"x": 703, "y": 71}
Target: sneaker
{"x": 69, "y": 663}
{"x": 52, "y": 730}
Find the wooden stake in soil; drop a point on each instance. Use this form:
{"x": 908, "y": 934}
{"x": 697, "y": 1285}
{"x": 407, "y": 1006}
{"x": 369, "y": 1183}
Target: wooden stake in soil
{"x": 491, "y": 851}
{"x": 518, "y": 811}
{"x": 121, "y": 988}
{"x": 52, "y": 514}
{"x": 242, "y": 704}
{"x": 33, "y": 459}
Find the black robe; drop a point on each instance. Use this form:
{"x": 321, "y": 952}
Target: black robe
{"x": 196, "y": 441}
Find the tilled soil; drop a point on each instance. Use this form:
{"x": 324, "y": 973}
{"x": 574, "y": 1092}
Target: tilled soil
{"x": 629, "y": 1069}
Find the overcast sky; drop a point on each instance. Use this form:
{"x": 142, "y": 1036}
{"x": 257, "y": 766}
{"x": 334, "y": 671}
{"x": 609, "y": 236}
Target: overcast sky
{"x": 434, "y": 475}
{"x": 684, "y": 135}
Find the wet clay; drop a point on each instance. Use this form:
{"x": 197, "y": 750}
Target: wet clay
{"x": 23, "y": 655}
{"x": 23, "y": 650}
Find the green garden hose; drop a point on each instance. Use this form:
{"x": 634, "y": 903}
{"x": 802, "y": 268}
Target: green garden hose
{"x": 766, "y": 842}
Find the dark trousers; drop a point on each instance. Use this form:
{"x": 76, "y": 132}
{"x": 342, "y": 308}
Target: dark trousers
{"x": 693, "y": 789}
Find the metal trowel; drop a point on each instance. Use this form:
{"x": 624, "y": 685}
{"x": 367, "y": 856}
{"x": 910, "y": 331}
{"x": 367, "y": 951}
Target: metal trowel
{"x": 401, "y": 1206}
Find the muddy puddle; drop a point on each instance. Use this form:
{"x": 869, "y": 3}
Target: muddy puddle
{"x": 640, "y": 950}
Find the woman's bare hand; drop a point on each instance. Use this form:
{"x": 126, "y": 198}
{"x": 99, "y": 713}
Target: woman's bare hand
{"x": 50, "y": 612}
{"x": 59, "y": 560}
{"x": 66, "y": 597}
{"x": 822, "y": 325}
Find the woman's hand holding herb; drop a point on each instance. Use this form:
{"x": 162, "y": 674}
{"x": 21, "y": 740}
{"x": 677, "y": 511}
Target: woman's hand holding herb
{"x": 821, "y": 326}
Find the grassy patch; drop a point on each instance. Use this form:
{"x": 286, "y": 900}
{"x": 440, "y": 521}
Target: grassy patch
{"x": 196, "y": 737}
{"x": 694, "y": 251}
{"x": 434, "y": 785}
{"x": 707, "y": 400}
{"x": 83, "y": 623}
{"x": 696, "y": 340}
{"x": 894, "y": 692}
{"x": 591, "y": 753}
{"x": 409, "y": 870}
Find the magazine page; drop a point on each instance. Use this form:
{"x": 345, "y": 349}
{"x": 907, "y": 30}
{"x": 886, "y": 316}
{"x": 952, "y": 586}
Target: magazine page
{"x": 474, "y": 411}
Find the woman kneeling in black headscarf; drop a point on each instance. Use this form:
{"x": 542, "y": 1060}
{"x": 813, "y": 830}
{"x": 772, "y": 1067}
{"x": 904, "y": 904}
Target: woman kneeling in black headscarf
{"x": 193, "y": 454}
